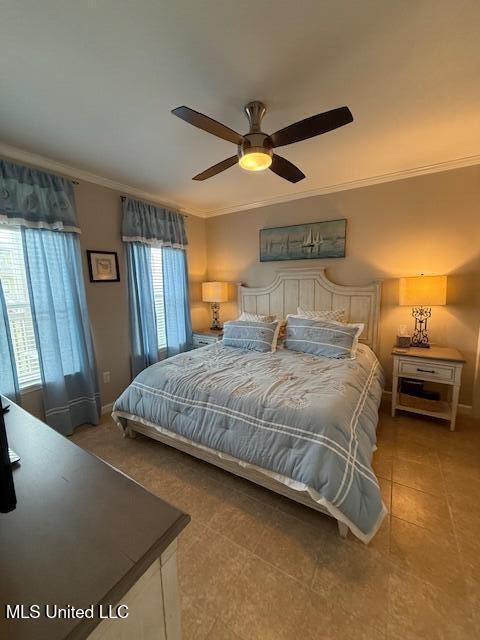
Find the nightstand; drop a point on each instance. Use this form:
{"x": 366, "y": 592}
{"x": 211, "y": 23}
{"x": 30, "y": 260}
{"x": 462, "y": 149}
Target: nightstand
{"x": 437, "y": 364}
{"x": 206, "y": 336}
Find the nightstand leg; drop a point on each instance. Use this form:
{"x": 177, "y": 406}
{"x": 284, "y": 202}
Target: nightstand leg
{"x": 455, "y": 394}
{"x": 394, "y": 394}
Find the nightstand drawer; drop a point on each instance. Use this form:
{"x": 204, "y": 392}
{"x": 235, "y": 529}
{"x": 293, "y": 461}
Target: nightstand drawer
{"x": 440, "y": 372}
{"x": 201, "y": 340}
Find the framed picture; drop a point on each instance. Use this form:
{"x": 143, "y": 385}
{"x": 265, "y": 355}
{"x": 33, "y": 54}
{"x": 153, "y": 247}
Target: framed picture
{"x": 103, "y": 266}
{"x": 312, "y": 241}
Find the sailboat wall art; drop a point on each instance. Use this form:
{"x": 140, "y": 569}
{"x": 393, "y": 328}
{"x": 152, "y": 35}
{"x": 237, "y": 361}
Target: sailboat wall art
{"x": 316, "y": 240}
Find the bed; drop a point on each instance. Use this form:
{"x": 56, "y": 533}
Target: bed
{"x": 301, "y": 425}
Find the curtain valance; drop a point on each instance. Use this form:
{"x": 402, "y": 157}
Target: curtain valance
{"x": 35, "y": 199}
{"x": 145, "y": 223}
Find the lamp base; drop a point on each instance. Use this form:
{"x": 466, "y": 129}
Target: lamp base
{"x": 215, "y": 316}
{"x": 420, "y": 335}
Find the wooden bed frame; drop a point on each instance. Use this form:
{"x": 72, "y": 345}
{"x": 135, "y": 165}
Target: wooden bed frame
{"x": 311, "y": 289}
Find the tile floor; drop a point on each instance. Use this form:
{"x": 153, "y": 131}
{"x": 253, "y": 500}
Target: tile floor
{"x": 256, "y": 566}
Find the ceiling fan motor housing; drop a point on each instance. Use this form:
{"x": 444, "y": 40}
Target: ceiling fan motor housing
{"x": 255, "y": 141}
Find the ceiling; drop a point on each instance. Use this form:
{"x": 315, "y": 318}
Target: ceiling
{"x": 91, "y": 85}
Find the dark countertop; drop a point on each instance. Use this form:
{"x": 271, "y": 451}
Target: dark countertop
{"x": 82, "y": 532}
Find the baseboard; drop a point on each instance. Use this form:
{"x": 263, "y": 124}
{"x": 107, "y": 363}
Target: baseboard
{"x": 107, "y": 408}
{"x": 464, "y": 409}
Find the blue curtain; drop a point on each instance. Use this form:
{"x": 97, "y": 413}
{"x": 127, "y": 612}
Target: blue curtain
{"x": 36, "y": 199}
{"x": 62, "y": 327}
{"x": 178, "y": 326}
{"x": 143, "y": 324}
{"x": 8, "y": 370}
{"x": 144, "y": 226}
{"x": 145, "y": 223}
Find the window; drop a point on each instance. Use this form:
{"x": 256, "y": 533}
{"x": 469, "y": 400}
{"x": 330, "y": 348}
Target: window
{"x": 157, "y": 277}
{"x": 14, "y": 283}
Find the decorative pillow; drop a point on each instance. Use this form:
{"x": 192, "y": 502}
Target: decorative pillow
{"x": 334, "y": 314}
{"x": 323, "y": 337}
{"x": 255, "y": 336}
{"x": 255, "y": 317}
{"x": 282, "y": 333}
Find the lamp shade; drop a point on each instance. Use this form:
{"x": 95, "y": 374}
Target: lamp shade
{"x": 423, "y": 291}
{"x": 215, "y": 291}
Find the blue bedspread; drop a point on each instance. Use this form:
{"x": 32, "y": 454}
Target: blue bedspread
{"x": 309, "y": 419}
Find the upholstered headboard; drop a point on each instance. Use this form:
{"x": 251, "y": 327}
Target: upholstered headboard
{"x": 311, "y": 289}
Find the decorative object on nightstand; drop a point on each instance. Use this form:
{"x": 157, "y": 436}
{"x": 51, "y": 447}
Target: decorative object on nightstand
{"x": 206, "y": 336}
{"x": 441, "y": 365}
{"x": 421, "y": 293}
{"x": 403, "y": 337}
{"x": 215, "y": 292}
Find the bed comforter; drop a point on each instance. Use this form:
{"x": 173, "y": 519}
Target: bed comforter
{"x": 307, "y": 419}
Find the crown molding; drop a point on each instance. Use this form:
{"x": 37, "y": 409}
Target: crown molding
{"x": 20, "y": 155}
{"x": 457, "y": 163}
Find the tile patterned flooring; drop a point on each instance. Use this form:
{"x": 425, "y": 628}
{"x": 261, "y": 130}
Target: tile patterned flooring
{"x": 256, "y": 566}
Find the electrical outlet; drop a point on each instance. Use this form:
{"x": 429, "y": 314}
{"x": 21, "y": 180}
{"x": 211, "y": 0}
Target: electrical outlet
{"x": 106, "y": 377}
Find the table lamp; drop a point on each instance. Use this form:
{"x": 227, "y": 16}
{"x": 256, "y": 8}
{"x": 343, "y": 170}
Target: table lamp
{"x": 215, "y": 292}
{"x": 421, "y": 293}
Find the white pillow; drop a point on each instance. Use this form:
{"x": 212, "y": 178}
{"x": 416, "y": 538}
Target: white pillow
{"x": 255, "y": 317}
{"x": 334, "y": 314}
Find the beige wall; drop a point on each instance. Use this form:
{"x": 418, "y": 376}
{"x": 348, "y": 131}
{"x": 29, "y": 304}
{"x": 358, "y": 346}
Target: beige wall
{"x": 428, "y": 224}
{"x": 99, "y": 219}
{"x": 197, "y": 270}
{"x": 99, "y": 214}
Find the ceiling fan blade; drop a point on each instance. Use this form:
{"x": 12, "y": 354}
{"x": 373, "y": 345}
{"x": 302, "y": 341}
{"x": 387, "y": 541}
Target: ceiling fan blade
{"x": 217, "y": 168}
{"x": 285, "y": 169}
{"x": 207, "y": 124}
{"x": 313, "y": 126}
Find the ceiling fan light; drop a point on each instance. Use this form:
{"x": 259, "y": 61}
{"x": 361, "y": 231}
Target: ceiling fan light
{"x": 255, "y": 161}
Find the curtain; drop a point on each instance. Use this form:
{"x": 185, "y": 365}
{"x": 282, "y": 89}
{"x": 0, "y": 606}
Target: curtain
{"x": 62, "y": 327}
{"x": 36, "y": 199}
{"x": 145, "y": 223}
{"x": 178, "y": 325}
{"x": 8, "y": 370}
{"x": 144, "y": 226}
{"x": 143, "y": 325}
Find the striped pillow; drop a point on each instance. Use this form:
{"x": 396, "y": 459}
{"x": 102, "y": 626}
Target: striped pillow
{"x": 255, "y": 336}
{"x": 332, "y": 314}
{"x": 323, "y": 337}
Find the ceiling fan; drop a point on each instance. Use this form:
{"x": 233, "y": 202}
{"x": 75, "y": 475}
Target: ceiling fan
{"x": 255, "y": 148}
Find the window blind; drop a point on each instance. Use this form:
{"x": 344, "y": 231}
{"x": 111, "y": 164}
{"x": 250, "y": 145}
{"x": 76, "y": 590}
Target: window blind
{"x": 157, "y": 277}
{"x": 14, "y": 282}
